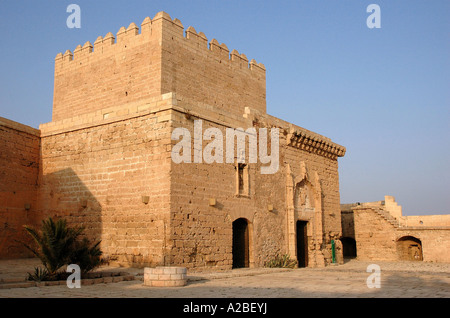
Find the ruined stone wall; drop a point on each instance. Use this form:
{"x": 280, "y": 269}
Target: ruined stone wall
{"x": 434, "y": 240}
{"x": 98, "y": 173}
{"x": 19, "y": 162}
{"x": 377, "y": 237}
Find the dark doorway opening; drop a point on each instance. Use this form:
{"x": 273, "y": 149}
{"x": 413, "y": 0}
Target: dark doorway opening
{"x": 409, "y": 249}
{"x": 348, "y": 247}
{"x": 241, "y": 255}
{"x": 302, "y": 244}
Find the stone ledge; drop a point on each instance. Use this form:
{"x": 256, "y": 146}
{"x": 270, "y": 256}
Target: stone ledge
{"x": 19, "y": 127}
{"x": 91, "y": 279}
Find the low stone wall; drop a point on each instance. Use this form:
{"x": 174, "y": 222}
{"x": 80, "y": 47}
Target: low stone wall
{"x": 380, "y": 238}
{"x": 170, "y": 276}
{"x": 89, "y": 279}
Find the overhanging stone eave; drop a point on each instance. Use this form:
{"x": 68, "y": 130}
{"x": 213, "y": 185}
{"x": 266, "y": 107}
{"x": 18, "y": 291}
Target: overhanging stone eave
{"x": 314, "y": 143}
{"x": 299, "y": 137}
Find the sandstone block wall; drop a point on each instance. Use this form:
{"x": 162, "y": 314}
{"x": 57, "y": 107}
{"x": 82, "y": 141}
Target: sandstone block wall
{"x": 312, "y": 176}
{"x": 202, "y": 234}
{"x": 97, "y": 175}
{"x": 19, "y": 162}
{"x": 348, "y": 225}
{"x": 375, "y": 237}
{"x": 379, "y": 238}
{"x": 426, "y": 220}
{"x": 106, "y": 162}
{"x": 324, "y": 222}
{"x": 115, "y": 70}
{"x": 160, "y": 59}
{"x": 209, "y": 72}
{"x": 434, "y": 241}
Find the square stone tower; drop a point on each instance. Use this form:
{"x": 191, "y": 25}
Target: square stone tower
{"x": 106, "y": 159}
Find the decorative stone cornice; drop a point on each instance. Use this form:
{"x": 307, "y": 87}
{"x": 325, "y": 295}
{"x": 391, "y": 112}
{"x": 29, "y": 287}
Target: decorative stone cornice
{"x": 314, "y": 143}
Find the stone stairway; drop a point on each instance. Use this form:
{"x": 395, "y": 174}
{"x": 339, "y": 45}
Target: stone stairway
{"x": 387, "y": 216}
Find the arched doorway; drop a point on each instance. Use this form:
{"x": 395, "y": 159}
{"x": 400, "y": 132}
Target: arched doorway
{"x": 241, "y": 251}
{"x": 409, "y": 248}
{"x": 302, "y": 244}
{"x": 348, "y": 247}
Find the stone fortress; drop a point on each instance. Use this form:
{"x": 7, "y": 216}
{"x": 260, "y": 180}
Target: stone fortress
{"x": 104, "y": 162}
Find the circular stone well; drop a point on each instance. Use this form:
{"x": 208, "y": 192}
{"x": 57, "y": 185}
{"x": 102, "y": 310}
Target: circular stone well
{"x": 165, "y": 276}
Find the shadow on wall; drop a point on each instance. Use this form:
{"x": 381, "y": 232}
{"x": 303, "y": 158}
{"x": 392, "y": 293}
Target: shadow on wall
{"x": 19, "y": 157}
{"x": 12, "y": 234}
{"x": 62, "y": 194}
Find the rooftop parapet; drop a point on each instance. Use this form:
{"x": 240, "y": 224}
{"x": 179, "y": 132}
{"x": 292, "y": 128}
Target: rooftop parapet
{"x": 150, "y": 27}
{"x": 155, "y": 58}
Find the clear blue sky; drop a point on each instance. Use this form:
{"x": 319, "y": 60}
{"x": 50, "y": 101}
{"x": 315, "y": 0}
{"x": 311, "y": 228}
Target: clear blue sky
{"x": 382, "y": 93}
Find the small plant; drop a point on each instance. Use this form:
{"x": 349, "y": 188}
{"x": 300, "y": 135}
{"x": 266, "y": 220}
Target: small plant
{"x": 283, "y": 261}
{"x": 86, "y": 256}
{"x": 58, "y": 245}
{"x": 39, "y": 275}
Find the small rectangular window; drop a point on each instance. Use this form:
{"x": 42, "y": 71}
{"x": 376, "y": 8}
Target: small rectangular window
{"x": 242, "y": 180}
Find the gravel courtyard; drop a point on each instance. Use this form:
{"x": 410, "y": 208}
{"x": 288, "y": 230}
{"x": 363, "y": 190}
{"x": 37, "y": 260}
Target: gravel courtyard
{"x": 397, "y": 280}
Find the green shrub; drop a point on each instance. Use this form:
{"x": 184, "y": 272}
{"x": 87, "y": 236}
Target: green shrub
{"x": 86, "y": 256}
{"x": 282, "y": 261}
{"x": 39, "y": 275}
{"x": 58, "y": 245}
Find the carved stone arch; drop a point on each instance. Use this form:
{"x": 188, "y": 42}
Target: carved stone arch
{"x": 304, "y": 202}
{"x": 409, "y": 248}
{"x": 312, "y": 183}
{"x": 304, "y": 195}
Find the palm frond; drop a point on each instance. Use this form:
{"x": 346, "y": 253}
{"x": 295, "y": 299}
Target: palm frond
{"x": 58, "y": 245}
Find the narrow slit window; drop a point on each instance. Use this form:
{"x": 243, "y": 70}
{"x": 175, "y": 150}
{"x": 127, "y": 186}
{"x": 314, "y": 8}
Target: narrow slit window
{"x": 242, "y": 183}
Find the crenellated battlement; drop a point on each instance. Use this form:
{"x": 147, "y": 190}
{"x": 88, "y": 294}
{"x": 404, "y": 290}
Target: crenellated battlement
{"x": 156, "y": 58}
{"x": 149, "y": 29}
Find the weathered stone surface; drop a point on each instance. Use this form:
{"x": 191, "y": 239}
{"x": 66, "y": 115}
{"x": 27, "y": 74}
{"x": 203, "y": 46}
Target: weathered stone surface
{"x": 165, "y": 276}
{"x": 382, "y": 233}
{"x": 108, "y": 149}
